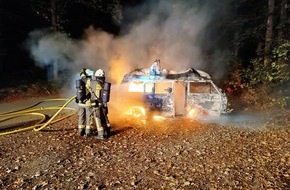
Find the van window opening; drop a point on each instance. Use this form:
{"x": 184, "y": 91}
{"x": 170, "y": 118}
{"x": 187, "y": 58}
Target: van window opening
{"x": 202, "y": 87}
{"x": 158, "y": 87}
{"x": 136, "y": 86}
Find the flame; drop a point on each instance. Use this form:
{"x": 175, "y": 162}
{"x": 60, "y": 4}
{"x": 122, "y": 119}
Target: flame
{"x": 193, "y": 113}
{"x": 159, "y": 118}
{"x": 137, "y": 111}
{"x": 119, "y": 66}
{"x": 196, "y": 112}
{"x": 116, "y": 73}
{"x": 136, "y": 86}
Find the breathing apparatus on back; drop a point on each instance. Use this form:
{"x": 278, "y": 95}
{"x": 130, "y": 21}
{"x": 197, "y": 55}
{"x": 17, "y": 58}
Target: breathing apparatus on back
{"x": 102, "y": 88}
{"x": 82, "y": 94}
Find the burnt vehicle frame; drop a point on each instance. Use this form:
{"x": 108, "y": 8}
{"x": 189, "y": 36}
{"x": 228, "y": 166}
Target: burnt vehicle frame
{"x": 191, "y": 93}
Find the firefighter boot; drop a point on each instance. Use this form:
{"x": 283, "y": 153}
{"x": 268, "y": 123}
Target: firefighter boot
{"x": 87, "y": 132}
{"x": 108, "y": 131}
{"x": 81, "y": 131}
{"x": 101, "y": 135}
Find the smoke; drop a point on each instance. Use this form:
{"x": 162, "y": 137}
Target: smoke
{"x": 47, "y": 49}
{"x": 250, "y": 121}
{"x": 169, "y": 31}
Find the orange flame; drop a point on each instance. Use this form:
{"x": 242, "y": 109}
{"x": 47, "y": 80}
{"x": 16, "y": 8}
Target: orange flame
{"x": 118, "y": 68}
{"x": 159, "y": 118}
{"x": 196, "y": 112}
{"x": 193, "y": 113}
{"x": 137, "y": 111}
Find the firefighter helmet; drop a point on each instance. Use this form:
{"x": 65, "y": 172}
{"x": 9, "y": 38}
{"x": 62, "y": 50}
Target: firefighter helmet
{"x": 89, "y": 72}
{"x": 86, "y": 73}
{"x": 100, "y": 73}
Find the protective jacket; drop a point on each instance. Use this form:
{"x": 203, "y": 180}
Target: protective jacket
{"x": 85, "y": 110}
{"x": 96, "y": 98}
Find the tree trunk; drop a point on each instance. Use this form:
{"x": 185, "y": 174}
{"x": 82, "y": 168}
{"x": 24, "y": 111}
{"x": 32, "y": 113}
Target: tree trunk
{"x": 53, "y": 15}
{"x": 54, "y": 28}
{"x": 269, "y": 32}
{"x": 287, "y": 7}
{"x": 283, "y": 22}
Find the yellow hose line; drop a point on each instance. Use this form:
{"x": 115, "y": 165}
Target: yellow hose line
{"x": 30, "y": 111}
{"x": 9, "y": 115}
{"x": 43, "y": 126}
{"x": 26, "y": 128}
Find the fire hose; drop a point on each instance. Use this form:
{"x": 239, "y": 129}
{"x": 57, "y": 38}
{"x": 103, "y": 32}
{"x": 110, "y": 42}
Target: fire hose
{"x": 34, "y": 112}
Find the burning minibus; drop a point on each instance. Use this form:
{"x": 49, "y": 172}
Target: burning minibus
{"x": 159, "y": 93}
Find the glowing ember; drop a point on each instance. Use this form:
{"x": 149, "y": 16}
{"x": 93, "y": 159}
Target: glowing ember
{"x": 137, "y": 111}
{"x": 193, "y": 113}
{"x": 196, "y": 112}
{"x": 158, "y": 118}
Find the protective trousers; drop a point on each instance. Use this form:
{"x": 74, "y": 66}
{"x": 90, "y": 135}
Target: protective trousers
{"x": 98, "y": 120}
{"x": 85, "y": 118}
{"x": 105, "y": 112}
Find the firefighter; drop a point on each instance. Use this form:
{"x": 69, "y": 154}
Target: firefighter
{"x": 99, "y": 103}
{"x": 83, "y": 99}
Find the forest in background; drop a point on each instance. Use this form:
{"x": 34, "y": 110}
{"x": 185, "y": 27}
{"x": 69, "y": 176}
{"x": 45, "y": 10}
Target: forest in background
{"x": 251, "y": 38}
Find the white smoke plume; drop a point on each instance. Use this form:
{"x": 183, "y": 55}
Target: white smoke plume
{"x": 169, "y": 32}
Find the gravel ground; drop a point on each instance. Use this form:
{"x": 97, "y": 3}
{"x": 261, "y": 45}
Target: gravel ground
{"x": 237, "y": 153}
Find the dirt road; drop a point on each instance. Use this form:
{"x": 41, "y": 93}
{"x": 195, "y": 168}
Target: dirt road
{"x": 237, "y": 153}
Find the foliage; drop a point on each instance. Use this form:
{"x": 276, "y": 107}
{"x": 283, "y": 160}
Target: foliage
{"x": 260, "y": 98}
{"x": 112, "y": 7}
{"x": 266, "y": 83}
{"x": 274, "y": 74}
{"x": 43, "y": 8}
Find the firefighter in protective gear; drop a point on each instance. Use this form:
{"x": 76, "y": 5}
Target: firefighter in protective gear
{"x": 100, "y": 116}
{"x": 83, "y": 99}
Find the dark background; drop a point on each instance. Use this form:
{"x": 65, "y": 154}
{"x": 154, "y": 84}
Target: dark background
{"x": 237, "y": 29}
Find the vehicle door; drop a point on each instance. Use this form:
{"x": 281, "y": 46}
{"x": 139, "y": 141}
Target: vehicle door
{"x": 204, "y": 95}
{"x": 160, "y": 96}
{"x": 179, "y": 97}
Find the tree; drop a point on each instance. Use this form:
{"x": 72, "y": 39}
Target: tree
{"x": 73, "y": 16}
{"x": 16, "y": 20}
{"x": 54, "y": 15}
{"x": 269, "y": 32}
{"x": 61, "y": 14}
{"x": 282, "y": 33}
